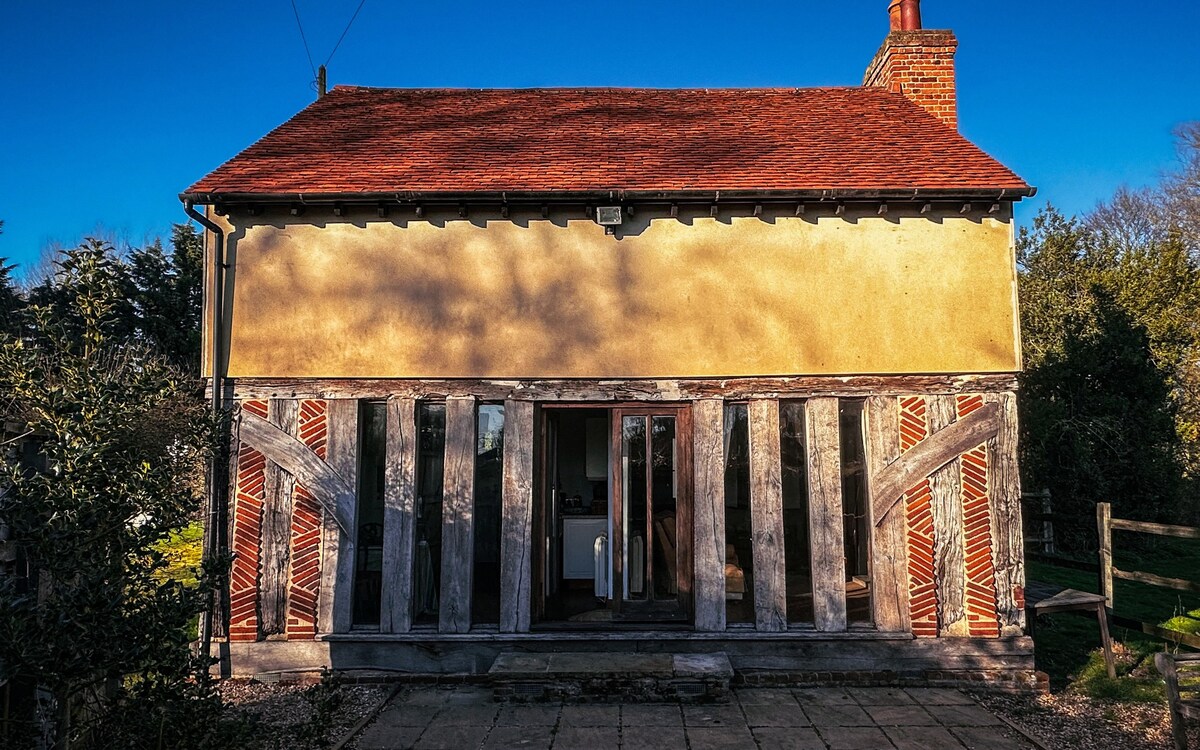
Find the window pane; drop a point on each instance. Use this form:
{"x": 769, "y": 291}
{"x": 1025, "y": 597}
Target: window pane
{"x": 855, "y": 513}
{"x": 663, "y": 506}
{"x": 633, "y": 457}
{"x": 794, "y": 473}
{"x": 739, "y": 557}
{"x": 489, "y": 480}
{"x": 427, "y": 567}
{"x": 368, "y": 563}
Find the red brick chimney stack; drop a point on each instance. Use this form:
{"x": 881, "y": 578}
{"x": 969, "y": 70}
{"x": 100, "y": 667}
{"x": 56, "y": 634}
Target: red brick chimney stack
{"x": 917, "y": 62}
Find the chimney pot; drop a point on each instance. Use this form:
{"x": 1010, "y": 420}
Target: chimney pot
{"x": 910, "y": 15}
{"x": 894, "y": 16}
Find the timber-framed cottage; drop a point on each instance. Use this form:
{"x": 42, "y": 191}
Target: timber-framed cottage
{"x": 649, "y": 370}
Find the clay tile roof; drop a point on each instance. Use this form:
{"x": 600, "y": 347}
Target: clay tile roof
{"x": 366, "y": 140}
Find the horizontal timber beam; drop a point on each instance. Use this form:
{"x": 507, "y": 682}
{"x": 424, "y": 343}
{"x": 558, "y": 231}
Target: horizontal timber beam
{"x": 633, "y": 389}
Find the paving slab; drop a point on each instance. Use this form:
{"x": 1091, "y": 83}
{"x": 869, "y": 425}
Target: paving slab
{"x": 451, "y": 738}
{"x": 653, "y": 738}
{"x": 766, "y": 718}
{"x": 590, "y": 715}
{"x": 989, "y": 738}
{"x": 823, "y": 697}
{"x": 775, "y": 716}
{"x": 719, "y": 738}
{"x": 529, "y": 715}
{"x": 540, "y": 737}
{"x": 406, "y": 715}
{"x": 940, "y": 697}
{"x": 383, "y": 737}
{"x": 766, "y": 697}
{"x": 466, "y": 715}
{"x": 839, "y": 716}
{"x": 964, "y": 716}
{"x": 854, "y": 738}
{"x": 713, "y": 716}
{"x": 586, "y": 738}
{"x": 881, "y": 696}
{"x": 775, "y": 738}
{"x": 651, "y": 715}
{"x": 900, "y": 716}
{"x": 922, "y": 738}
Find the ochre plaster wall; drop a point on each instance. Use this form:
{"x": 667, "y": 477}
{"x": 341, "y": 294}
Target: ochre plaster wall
{"x": 531, "y": 298}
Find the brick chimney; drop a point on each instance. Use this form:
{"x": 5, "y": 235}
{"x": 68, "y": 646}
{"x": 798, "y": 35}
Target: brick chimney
{"x": 917, "y": 62}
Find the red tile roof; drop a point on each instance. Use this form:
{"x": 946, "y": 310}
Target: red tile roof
{"x": 848, "y": 140}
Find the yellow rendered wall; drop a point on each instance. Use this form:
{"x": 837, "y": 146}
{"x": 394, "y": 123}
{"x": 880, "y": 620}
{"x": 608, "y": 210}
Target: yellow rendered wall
{"x": 316, "y": 296}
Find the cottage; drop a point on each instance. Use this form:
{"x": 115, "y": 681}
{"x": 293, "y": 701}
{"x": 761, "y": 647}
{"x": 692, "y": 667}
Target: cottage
{"x": 622, "y": 369}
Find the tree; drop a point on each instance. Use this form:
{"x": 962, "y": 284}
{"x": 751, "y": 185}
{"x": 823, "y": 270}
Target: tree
{"x": 1110, "y": 334}
{"x": 167, "y": 296}
{"x": 94, "y": 620}
{"x": 10, "y": 299}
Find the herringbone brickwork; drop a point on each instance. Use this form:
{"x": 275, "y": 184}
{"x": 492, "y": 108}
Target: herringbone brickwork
{"x": 247, "y": 530}
{"x": 982, "y": 614}
{"x": 305, "y": 577}
{"x": 918, "y": 506}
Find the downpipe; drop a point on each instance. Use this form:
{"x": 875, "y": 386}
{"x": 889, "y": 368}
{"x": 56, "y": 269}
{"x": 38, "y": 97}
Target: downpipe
{"x": 216, "y": 474}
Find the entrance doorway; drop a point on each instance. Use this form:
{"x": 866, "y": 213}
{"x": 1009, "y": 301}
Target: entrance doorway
{"x": 614, "y": 516}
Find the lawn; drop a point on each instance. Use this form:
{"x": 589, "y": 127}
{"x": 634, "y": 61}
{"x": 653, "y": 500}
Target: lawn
{"x": 1067, "y": 644}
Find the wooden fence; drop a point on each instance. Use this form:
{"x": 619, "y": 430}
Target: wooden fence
{"x": 1039, "y": 515}
{"x": 1105, "y": 525}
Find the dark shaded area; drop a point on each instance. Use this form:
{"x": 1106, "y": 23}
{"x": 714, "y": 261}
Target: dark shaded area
{"x": 1098, "y": 424}
{"x": 489, "y": 504}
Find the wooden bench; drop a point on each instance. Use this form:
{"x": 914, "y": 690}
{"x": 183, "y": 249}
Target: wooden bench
{"x": 1043, "y": 599}
{"x": 1183, "y": 700}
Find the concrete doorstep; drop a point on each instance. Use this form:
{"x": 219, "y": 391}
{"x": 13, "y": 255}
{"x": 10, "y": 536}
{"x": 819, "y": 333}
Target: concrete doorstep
{"x": 611, "y": 677}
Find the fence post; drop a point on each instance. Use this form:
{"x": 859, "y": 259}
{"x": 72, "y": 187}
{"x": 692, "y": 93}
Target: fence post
{"x": 1047, "y": 524}
{"x": 1104, "y": 531}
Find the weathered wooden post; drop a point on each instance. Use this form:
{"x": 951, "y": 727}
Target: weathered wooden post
{"x": 1047, "y": 523}
{"x": 1104, "y": 530}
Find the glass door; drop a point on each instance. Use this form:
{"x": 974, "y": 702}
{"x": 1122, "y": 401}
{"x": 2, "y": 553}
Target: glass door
{"x": 652, "y": 513}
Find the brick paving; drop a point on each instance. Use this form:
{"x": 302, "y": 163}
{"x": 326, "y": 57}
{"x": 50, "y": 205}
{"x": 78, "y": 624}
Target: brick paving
{"x": 466, "y": 718}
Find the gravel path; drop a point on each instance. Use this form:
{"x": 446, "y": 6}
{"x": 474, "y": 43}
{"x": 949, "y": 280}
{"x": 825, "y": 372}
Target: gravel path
{"x": 290, "y": 715}
{"x": 1071, "y": 722}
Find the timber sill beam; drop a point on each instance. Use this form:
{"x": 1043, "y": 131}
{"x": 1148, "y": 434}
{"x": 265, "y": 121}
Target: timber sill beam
{"x": 294, "y": 457}
{"x": 931, "y": 454}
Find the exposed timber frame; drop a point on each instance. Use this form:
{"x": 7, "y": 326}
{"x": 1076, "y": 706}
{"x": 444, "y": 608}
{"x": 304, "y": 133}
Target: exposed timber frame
{"x": 615, "y": 390}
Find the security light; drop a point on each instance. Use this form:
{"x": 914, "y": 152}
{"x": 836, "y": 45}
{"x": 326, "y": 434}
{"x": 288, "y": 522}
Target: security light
{"x": 608, "y": 216}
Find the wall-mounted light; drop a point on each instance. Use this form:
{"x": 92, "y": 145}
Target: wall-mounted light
{"x": 297, "y": 209}
{"x": 382, "y": 211}
{"x": 608, "y": 217}
{"x": 339, "y": 209}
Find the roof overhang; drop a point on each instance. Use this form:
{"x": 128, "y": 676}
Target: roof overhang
{"x": 616, "y": 196}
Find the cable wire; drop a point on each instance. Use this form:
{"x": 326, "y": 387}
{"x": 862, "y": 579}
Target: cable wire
{"x": 346, "y": 31}
{"x": 304, "y": 39}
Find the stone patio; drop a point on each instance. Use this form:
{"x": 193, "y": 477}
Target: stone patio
{"x": 467, "y": 718}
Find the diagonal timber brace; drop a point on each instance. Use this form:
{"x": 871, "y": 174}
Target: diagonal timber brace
{"x": 931, "y": 454}
{"x": 294, "y": 457}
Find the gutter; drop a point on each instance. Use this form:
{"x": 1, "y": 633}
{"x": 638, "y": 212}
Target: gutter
{"x": 594, "y": 196}
{"x": 216, "y": 465}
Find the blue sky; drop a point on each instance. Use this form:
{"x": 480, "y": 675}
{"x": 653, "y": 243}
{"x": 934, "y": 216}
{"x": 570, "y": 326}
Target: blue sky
{"x": 110, "y": 109}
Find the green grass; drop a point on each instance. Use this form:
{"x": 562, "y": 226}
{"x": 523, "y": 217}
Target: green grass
{"x": 1067, "y": 644}
{"x": 183, "y": 550}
